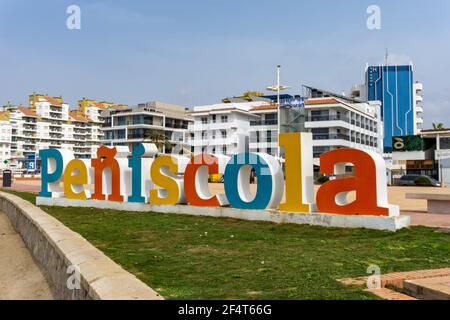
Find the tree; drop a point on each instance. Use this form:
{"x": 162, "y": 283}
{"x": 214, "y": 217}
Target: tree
{"x": 158, "y": 138}
{"x": 438, "y": 126}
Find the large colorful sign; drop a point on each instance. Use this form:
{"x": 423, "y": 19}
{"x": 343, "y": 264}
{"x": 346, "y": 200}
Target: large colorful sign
{"x": 140, "y": 177}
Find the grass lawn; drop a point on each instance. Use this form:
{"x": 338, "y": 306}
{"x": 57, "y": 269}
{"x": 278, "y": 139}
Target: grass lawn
{"x": 185, "y": 257}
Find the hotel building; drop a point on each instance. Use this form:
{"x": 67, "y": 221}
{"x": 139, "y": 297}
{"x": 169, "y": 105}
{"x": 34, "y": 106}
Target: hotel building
{"x": 401, "y": 100}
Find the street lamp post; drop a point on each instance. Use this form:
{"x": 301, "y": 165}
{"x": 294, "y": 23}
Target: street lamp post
{"x": 278, "y": 88}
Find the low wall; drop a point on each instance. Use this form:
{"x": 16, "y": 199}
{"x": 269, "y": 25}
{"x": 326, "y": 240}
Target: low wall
{"x": 59, "y": 251}
{"x": 317, "y": 219}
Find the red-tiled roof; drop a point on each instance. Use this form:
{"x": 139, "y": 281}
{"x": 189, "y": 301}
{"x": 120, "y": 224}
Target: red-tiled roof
{"x": 79, "y": 117}
{"x": 27, "y": 111}
{"x": 265, "y": 107}
{"x": 312, "y": 102}
{"x": 54, "y": 101}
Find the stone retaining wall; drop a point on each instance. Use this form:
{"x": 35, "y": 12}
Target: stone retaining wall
{"x": 63, "y": 255}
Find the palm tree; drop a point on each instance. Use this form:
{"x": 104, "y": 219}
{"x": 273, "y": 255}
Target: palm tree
{"x": 438, "y": 126}
{"x": 158, "y": 138}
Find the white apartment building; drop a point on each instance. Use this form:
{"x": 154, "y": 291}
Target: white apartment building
{"x": 336, "y": 123}
{"x": 222, "y": 128}
{"x": 48, "y": 123}
{"x": 132, "y": 126}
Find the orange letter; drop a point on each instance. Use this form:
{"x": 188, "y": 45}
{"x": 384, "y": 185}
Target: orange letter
{"x": 369, "y": 182}
{"x": 100, "y": 165}
{"x": 196, "y": 181}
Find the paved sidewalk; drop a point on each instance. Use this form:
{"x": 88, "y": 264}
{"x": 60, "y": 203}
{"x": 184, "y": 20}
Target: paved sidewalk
{"x": 429, "y": 219}
{"x": 20, "y": 277}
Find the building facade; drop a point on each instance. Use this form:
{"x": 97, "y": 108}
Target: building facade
{"x": 5, "y": 139}
{"x": 222, "y": 128}
{"x": 425, "y": 154}
{"x": 147, "y": 122}
{"x": 48, "y": 123}
{"x": 335, "y": 122}
{"x": 401, "y": 99}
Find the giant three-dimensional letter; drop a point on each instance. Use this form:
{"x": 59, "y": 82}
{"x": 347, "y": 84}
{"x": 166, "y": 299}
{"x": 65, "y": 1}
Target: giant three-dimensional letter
{"x": 106, "y": 161}
{"x": 368, "y": 181}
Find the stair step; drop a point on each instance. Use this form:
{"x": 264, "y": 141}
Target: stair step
{"x": 429, "y": 288}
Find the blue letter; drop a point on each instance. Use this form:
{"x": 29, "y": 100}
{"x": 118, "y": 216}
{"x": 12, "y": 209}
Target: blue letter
{"x": 135, "y": 163}
{"x": 47, "y": 177}
{"x": 237, "y": 186}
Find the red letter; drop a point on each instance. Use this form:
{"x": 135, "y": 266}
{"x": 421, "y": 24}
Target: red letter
{"x": 100, "y": 165}
{"x": 196, "y": 181}
{"x": 331, "y": 197}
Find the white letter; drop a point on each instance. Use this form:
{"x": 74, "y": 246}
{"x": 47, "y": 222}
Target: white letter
{"x": 374, "y": 20}
{"x": 74, "y": 20}
{"x": 74, "y": 281}
{"x": 374, "y": 281}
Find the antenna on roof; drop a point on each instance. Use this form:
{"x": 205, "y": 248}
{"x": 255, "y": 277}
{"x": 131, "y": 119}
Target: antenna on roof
{"x": 387, "y": 57}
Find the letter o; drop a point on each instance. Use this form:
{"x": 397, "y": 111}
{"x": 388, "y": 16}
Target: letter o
{"x": 237, "y": 181}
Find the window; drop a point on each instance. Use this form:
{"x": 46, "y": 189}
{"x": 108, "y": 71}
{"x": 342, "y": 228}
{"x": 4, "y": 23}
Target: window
{"x": 224, "y": 134}
{"x": 224, "y": 119}
{"x": 445, "y": 143}
{"x": 224, "y": 149}
{"x": 204, "y": 120}
{"x": 269, "y": 136}
{"x": 121, "y": 121}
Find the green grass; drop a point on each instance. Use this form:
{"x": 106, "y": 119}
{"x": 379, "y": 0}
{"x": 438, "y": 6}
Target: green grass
{"x": 185, "y": 257}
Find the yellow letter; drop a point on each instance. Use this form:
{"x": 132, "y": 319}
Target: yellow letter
{"x": 162, "y": 173}
{"x": 78, "y": 181}
{"x": 299, "y": 172}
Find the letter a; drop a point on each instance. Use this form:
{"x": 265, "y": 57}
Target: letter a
{"x": 369, "y": 182}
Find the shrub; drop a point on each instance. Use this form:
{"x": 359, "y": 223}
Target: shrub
{"x": 423, "y": 182}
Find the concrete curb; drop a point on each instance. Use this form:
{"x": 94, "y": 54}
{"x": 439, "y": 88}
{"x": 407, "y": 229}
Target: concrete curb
{"x": 325, "y": 220}
{"x": 56, "y": 248}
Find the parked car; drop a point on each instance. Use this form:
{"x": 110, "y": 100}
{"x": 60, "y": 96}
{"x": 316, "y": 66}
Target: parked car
{"x": 418, "y": 180}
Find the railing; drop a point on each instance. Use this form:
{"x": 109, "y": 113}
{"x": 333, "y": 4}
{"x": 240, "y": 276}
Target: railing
{"x": 331, "y": 137}
{"x": 327, "y": 118}
{"x": 264, "y": 123}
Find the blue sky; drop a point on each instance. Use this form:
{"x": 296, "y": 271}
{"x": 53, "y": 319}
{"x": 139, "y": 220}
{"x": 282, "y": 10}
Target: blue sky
{"x": 198, "y": 51}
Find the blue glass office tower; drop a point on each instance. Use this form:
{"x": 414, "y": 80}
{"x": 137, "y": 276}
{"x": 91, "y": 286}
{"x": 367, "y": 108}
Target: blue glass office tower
{"x": 393, "y": 86}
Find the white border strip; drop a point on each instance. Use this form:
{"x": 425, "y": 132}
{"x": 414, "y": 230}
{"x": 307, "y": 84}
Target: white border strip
{"x": 316, "y": 219}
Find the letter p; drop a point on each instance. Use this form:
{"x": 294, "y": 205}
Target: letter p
{"x": 52, "y": 160}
